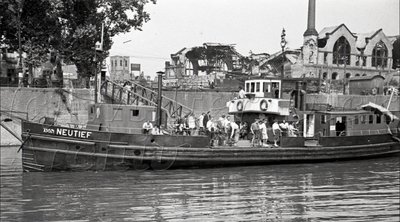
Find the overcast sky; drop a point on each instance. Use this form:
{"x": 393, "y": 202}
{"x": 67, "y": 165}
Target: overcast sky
{"x": 253, "y": 25}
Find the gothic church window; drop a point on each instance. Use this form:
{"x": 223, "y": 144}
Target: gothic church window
{"x": 341, "y": 52}
{"x": 379, "y": 55}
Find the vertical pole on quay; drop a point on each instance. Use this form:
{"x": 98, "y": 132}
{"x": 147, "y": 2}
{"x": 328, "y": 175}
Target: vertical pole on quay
{"x": 159, "y": 98}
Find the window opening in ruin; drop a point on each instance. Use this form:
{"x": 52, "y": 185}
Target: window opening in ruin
{"x": 379, "y": 55}
{"x": 341, "y": 52}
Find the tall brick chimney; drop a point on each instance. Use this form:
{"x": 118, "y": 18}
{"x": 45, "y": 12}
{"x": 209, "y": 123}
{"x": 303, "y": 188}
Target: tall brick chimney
{"x": 310, "y": 44}
{"x": 311, "y": 19}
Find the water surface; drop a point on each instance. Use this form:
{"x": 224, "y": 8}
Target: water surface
{"x": 362, "y": 190}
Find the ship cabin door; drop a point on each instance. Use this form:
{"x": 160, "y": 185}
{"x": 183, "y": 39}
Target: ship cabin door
{"x": 267, "y": 90}
{"x": 309, "y": 125}
{"x": 340, "y": 125}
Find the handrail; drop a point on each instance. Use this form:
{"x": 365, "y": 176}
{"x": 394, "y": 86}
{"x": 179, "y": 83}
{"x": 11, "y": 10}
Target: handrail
{"x": 142, "y": 94}
{"x": 164, "y": 97}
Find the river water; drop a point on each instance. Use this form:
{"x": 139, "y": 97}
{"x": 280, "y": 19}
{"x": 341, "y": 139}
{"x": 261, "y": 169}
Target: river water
{"x": 362, "y": 190}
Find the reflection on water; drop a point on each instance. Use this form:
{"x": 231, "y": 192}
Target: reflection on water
{"x": 364, "y": 190}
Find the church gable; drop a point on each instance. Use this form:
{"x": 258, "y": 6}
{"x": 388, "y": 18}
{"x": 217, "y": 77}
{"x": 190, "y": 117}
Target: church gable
{"x": 327, "y": 32}
{"x": 378, "y": 37}
{"x": 333, "y": 36}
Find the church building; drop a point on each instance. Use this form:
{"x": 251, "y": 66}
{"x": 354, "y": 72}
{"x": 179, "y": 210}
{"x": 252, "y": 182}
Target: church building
{"x": 336, "y": 53}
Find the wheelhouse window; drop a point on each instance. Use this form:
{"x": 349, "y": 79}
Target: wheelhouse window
{"x": 356, "y": 120}
{"x": 341, "y": 52}
{"x": 266, "y": 87}
{"x": 378, "y": 118}
{"x": 247, "y": 87}
{"x": 258, "y": 87}
{"x": 371, "y": 119}
{"x": 363, "y": 119}
{"x": 379, "y": 55}
{"x": 252, "y": 87}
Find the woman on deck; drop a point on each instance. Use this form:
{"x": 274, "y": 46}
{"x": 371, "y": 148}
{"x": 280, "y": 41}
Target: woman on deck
{"x": 264, "y": 135}
{"x": 276, "y": 131}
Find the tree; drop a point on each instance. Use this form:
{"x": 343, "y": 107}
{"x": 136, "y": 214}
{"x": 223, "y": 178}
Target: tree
{"x": 69, "y": 28}
{"x": 81, "y": 21}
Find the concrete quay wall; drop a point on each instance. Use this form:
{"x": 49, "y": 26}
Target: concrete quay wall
{"x": 65, "y": 106}
{"x": 71, "y": 106}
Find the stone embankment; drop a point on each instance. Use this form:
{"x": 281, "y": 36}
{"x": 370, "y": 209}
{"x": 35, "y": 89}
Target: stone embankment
{"x": 70, "y": 106}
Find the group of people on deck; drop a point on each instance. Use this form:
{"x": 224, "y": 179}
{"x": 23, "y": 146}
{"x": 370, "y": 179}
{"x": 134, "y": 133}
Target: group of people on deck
{"x": 260, "y": 127}
{"x": 148, "y": 128}
{"x": 225, "y": 131}
{"x": 185, "y": 125}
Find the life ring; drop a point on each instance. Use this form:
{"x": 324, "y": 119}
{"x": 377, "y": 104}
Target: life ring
{"x": 239, "y": 106}
{"x": 374, "y": 91}
{"x": 263, "y": 105}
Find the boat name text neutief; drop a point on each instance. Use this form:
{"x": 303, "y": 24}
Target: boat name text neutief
{"x": 68, "y": 132}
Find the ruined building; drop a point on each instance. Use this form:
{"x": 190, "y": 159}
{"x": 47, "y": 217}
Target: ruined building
{"x": 204, "y": 66}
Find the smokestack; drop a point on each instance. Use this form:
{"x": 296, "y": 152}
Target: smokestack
{"x": 311, "y": 19}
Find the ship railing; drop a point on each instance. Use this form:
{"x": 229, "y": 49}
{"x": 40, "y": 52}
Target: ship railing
{"x": 141, "y": 95}
{"x": 174, "y": 108}
{"x": 365, "y": 132}
{"x": 169, "y": 129}
{"x": 373, "y": 131}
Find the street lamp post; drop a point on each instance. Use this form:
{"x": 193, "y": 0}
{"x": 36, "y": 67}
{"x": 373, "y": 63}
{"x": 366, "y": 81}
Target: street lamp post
{"x": 98, "y": 48}
{"x": 283, "y": 44}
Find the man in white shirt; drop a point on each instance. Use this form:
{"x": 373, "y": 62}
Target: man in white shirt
{"x": 191, "y": 123}
{"x": 210, "y": 125}
{"x": 284, "y": 127}
{"x": 201, "y": 124}
{"x": 147, "y": 127}
{"x": 242, "y": 93}
{"x": 234, "y": 131}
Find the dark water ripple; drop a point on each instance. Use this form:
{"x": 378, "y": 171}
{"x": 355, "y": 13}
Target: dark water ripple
{"x": 364, "y": 190}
